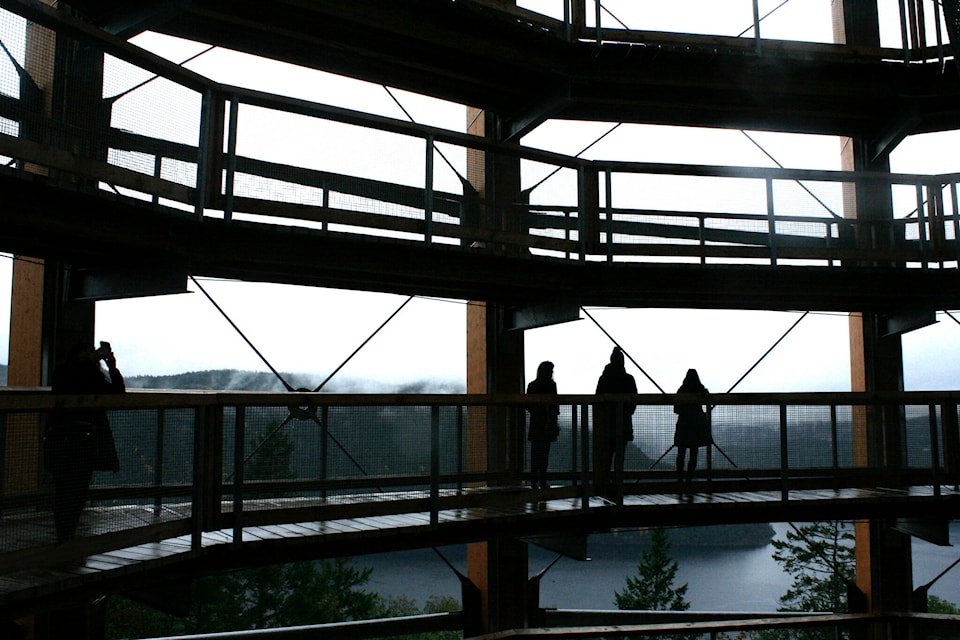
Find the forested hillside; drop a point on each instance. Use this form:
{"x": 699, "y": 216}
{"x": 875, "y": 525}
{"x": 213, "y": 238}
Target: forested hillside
{"x": 235, "y": 380}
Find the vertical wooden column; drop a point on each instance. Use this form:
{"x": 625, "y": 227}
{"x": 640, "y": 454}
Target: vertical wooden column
{"x": 65, "y": 83}
{"x": 884, "y": 567}
{"x": 25, "y": 355}
{"x": 494, "y": 365}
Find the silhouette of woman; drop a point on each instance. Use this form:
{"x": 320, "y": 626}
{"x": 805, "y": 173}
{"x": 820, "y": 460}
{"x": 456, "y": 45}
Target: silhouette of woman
{"x": 612, "y": 423}
{"x": 692, "y": 430}
{"x": 544, "y": 428}
{"x": 80, "y": 441}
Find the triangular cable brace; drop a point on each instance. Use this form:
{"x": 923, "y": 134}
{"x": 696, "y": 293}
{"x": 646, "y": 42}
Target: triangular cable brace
{"x": 286, "y": 384}
{"x": 799, "y": 183}
{"x": 764, "y": 17}
{"x": 779, "y": 340}
{"x": 578, "y": 154}
{"x": 410, "y": 118}
{"x": 363, "y": 344}
{"x": 941, "y": 574}
{"x": 155, "y": 76}
{"x": 606, "y": 333}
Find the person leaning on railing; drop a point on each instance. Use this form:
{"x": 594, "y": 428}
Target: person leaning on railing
{"x": 609, "y": 446}
{"x": 693, "y": 429}
{"x": 544, "y": 428}
{"x": 80, "y": 441}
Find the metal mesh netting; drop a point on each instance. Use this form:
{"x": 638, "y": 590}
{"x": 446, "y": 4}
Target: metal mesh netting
{"x": 51, "y": 493}
{"x": 353, "y": 446}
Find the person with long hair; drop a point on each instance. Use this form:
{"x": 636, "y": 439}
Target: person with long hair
{"x": 544, "y": 427}
{"x": 612, "y": 423}
{"x": 693, "y": 429}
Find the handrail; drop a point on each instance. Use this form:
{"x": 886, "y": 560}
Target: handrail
{"x": 432, "y": 213}
{"x": 403, "y": 458}
{"x": 41, "y": 398}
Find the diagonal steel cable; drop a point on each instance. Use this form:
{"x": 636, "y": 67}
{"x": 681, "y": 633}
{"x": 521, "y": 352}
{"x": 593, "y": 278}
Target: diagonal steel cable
{"x": 614, "y": 341}
{"x": 363, "y": 344}
{"x": 799, "y": 183}
{"x": 286, "y": 384}
{"x": 767, "y": 352}
{"x": 578, "y": 154}
{"x": 156, "y": 76}
{"x": 762, "y": 18}
{"x": 410, "y": 118}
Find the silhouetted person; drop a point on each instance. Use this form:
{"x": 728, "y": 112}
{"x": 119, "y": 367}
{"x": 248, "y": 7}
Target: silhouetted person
{"x": 544, "y": 427}
{"x": 693, "y": 430}
{"x": 609, "y": 445}
{"x": 79, "y": 441}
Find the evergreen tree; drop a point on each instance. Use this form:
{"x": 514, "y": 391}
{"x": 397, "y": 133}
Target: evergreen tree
{"x": 286, "y": 595}
{"x": 821, "y": 558}
{"x": 652, "y": 588}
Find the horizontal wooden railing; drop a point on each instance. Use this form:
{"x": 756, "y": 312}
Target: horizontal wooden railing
{"x": 209, "y": 461}
{"x": 564, "y": 209}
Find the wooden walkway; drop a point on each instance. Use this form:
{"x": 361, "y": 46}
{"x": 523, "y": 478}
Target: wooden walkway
{"x": 90, "y": 566}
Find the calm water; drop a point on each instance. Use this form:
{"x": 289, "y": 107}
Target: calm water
{"x": 719, "y": 579}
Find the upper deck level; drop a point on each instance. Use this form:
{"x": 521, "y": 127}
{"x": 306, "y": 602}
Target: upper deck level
{"x": 189, "y": 177}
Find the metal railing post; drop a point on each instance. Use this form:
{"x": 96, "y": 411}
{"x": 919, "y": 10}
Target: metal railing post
{"x": 608, "y": 185}
{"x": 434, "y": 465}
{"x": 758, "y": 49}
{"x": 771, "y": 222}
{"x": 834, "y": 439}
{"x": 158, "y": 459}
{"x": 460, "y": 442}
{"x": 784, "y": 456}
{"x": 956, "y": 221}
{"x": 428, "y": 193}
{"x": 239, "y": 440}
{"x": 324, "y": 448}
{"x": 207, "y": 471}
{"x": 198, "y": 506}
{"x": 585, "y": 456}
{"x": 921, "y": 226}
{"x": 574, "y": 442}
{"x": 934, "y": 450}
{"x": 231, "y": 168}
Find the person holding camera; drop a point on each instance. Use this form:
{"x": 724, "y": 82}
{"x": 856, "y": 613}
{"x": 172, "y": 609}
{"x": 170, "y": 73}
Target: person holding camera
{"x": 80, "y": 441}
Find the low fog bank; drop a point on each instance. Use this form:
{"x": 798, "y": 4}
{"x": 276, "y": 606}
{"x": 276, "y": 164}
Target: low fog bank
{"x": 264, "y": 381}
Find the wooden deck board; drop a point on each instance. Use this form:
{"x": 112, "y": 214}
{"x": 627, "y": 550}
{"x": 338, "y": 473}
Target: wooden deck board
{"x": 506, "y": 509}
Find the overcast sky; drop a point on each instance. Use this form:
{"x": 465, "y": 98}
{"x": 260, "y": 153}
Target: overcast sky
{"x": 304, "y": 330}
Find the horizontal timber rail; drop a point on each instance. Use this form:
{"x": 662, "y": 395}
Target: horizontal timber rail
{"x": 199, "y": 462}
{"x": 212, "y": 480}
{"x": 188, "y": 144}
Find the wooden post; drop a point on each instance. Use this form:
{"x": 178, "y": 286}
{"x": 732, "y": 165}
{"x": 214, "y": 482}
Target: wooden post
{"x": 498, "y": 568}
{"x": 884, "y": 568}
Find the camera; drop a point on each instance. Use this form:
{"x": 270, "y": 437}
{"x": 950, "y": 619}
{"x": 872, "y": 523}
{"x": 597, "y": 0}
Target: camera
{"x": 104, "y": 350}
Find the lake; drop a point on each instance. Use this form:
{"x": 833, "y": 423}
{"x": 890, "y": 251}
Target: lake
{"x": 719, "y": 578}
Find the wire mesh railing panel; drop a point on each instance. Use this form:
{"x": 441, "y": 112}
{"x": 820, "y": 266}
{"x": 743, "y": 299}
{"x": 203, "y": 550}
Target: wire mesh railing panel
{"x": 812, "y": 440}
{"x": 148, "y": 105}
{"x": 688, "y": 193}
{"x": 922, "y": 440}
{"x": 749, "y": 435}
{"x": 653, "y": 428}
{"x": 12, "y": 54}
{"x": 177, "y": 428}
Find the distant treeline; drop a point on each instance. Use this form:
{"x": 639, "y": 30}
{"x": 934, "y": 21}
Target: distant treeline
{"x": 264, "y": 381}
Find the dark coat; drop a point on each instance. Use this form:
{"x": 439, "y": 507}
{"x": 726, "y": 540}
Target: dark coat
{"x": 83, "y": 432}
{"x": 543, "y": 418}
{"x": 692, "y": 430}
{"x": 615, "y": 380}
